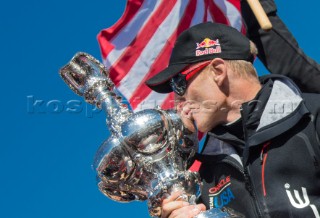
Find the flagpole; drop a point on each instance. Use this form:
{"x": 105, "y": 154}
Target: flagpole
{"x": 260, "y": 14}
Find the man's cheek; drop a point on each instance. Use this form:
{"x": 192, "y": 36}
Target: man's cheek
{"x": 209, "y": 106}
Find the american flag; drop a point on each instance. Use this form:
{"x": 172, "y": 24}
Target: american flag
{"x": 139, "y": 44}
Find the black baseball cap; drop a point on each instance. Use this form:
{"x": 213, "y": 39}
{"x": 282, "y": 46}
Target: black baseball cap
{"x": 204, "y": 41}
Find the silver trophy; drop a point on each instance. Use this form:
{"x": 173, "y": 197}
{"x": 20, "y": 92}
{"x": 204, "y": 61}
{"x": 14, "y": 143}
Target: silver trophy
{"x": 148, "y": 153}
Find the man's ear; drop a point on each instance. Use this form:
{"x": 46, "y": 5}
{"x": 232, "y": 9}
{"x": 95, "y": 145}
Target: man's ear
{"x": 218, "y": 71}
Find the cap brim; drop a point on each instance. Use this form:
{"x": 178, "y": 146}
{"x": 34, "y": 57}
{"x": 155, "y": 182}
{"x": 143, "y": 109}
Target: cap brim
{"x": 161, "y": 82}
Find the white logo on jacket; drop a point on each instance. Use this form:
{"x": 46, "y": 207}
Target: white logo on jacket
{"x": 301, "y": 204}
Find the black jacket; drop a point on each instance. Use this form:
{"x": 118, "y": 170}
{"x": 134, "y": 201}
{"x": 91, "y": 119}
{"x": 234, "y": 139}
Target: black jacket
{"x": 267, "y": 163}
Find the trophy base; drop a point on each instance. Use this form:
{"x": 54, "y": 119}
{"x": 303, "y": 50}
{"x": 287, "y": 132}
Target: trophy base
{"x": 220, "y": 213}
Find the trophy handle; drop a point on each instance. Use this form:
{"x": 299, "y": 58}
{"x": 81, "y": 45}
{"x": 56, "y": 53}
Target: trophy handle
{"x": 84, "y": 73}
{"x": 72, "y": 79}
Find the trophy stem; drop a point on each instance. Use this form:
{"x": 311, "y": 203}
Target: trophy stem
{"x": 116, "y": 112}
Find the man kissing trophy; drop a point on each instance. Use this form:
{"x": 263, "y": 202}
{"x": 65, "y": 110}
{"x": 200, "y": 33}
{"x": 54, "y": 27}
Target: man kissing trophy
{"x": 148, "y": 152}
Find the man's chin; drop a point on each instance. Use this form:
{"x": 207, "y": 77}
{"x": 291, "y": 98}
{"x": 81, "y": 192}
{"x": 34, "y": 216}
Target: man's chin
{"x": 203, "y": 128}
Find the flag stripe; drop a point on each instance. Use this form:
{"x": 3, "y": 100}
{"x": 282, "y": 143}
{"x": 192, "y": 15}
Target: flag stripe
{"x": 125, "y": 37}
{"x": 231, "y": 13}
{"x": 133, "y": 51}
{"x": 237, "y": 5}
{"x": 217, "y": 14}
{"x": 163, "y": 58}
{"x": 197, "y": 18}
{"x": 140, "y": 71}
{"x": 106, "y": 35}
{"x": 200, "y": 14}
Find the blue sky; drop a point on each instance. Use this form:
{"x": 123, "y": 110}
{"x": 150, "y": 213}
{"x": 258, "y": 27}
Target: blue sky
{"x": 46, "y": 156}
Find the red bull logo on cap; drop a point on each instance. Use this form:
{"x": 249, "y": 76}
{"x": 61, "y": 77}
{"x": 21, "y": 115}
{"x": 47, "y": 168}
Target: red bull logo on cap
{"x": 208, "y": 46}
{"x": 206, "y": 43}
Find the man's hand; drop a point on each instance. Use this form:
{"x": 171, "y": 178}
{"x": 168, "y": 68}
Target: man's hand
{"x": 185, "y": 110}
{"x": 173, "y": 207}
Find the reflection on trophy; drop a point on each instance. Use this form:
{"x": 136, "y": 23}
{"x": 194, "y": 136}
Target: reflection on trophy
{"x": 148, "y": 153}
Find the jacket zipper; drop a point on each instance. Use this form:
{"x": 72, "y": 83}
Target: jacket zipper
{"x": 263, "y": 158}
{"x": 248, "y": 183}
{"x": 247, "y": 177}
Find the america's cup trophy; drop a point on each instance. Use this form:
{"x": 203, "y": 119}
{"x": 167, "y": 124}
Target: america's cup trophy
{"x": 148, "y": 153}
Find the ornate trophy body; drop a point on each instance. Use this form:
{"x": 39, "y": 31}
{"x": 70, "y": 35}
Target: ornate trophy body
{"x": 148, "y": 153}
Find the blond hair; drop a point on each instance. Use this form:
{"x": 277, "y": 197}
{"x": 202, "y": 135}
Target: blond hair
{"x": 242, "y": 68}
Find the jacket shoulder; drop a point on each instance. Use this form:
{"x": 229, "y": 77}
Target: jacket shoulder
{"x": 312, "y": 102}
